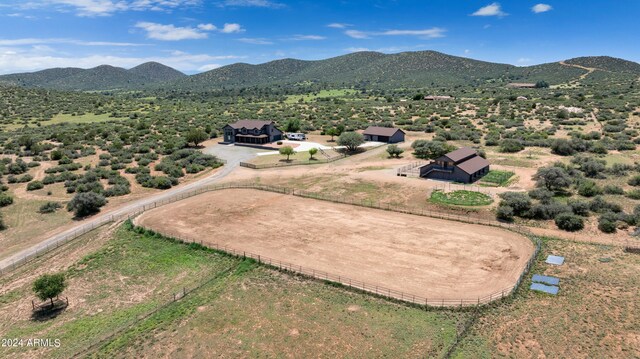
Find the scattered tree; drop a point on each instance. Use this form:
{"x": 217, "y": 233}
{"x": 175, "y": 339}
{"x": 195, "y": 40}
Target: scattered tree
{"x": 49, "y": 286}
{"x": 394, "y": 151}
{"x": 312, "y": 152}
{"x": 196, "y": 136}
{"x": 292, "y": 125}
{"x": 430, "y": 149}
{"x": 332, "y": 132}
{"x": 287, "y": 151}
{"x": 350, "y": 140}
{"x": 86, "y": 203}
{"x": 553, "y": 178}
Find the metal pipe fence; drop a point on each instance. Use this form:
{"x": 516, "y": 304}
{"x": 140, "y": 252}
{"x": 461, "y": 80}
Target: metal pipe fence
{"x": 350, "y": 283}
{"x": 310, "y": 272}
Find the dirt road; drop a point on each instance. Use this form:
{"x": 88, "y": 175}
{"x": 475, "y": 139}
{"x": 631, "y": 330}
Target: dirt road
{"x": 233, "y": 155}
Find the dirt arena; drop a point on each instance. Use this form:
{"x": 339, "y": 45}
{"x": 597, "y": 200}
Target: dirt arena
{"x": 422, "y": 256}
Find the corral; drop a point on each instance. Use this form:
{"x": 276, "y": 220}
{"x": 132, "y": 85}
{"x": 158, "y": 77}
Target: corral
{"x": 428, "y": 257}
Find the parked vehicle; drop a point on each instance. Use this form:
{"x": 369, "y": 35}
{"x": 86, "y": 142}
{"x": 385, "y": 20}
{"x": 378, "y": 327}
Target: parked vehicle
{"x": 296, "y": 136}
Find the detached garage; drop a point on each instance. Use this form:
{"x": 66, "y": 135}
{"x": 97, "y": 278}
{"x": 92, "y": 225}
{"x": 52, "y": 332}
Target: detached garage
{"x": 383, "y": 134}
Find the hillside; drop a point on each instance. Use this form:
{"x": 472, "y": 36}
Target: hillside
{"x": 360, "y": 69}
{"x": 103, "y": 77}
{"x": 377, "y": 70}
{"x": 606, "y": 63}
{"x": 156, "y": 72}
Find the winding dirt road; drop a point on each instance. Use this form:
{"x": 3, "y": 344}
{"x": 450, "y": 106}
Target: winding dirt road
{"x": 233, "y": 155}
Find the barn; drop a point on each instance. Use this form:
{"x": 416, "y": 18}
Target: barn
{"x": 462, "y": 165}
{"x": 383, "y": 134}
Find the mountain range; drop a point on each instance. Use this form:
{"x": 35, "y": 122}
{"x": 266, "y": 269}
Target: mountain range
{"x": 103, "y": 77}
{"x": 360, "y": 69}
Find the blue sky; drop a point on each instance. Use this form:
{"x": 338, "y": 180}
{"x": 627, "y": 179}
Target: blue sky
{"x": 198, "y": 35}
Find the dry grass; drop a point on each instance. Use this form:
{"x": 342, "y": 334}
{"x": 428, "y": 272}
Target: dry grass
{"x": 595, "y": 315}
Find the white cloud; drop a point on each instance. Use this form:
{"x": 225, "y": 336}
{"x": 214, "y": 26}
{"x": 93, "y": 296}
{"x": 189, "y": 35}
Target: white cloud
{"x": 253, "y": 3}
{"x": 338, "y": 25}
{"x": 432, "y": 33}
{"x": 170, "y": 32}
{"x": 307, "y": 37}
{"x": 207, "y": 27}
{"x": 231, "y": 28}
{"x": 356, "y": 34}
{"x": 208, "y": 67}
{"x": 15, "y": 60}
{"x": 490, "y": 10}
{"x": 390, "y": 49}
{"x": 37, "y": 41}
{"x": 467, "y": 51}
{"x": 356, "y": 49}
{"x": 256, "y": 41}
{"x": 92, "y": 8}
{"x": 540, "y": 8}
{"x": 426, "y": 33}
{"x": 524, "y": 60}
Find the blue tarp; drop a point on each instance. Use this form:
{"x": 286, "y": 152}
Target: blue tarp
{"x": 549, "y": 289}
{"x": 557, "y": 260}
{"x": 546, "y": 280}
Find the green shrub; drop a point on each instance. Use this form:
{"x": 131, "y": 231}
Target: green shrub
{"x": 5, "y": 199}
{"x": 613, "y": 189}
{"x": 34, "y": 185}
{"x": 84, "y": 204}
{"x": 511, "y": 145}
{"x": 589, "y": 188}
{"x": 578, "y": 207}
{"x": 607, "y": 223}
{"x": 50, "y": 207}
{"x": 633, "y": 194}
{"x": 634, "y": 181}
{"x": 505, "y": 213}
{"x": 569, "y": 222}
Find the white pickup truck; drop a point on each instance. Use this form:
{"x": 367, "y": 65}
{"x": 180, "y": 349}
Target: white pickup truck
{"x": 296, "y": 136}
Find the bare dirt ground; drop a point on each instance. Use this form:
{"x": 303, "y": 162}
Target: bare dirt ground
{"x": 422, "y": 256}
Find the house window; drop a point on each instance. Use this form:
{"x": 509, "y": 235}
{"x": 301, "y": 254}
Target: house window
{"x": 244, "y": 131}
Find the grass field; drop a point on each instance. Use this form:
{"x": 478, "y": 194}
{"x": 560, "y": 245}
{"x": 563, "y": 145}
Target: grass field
{"x": 321, "y": 94}
{"x": 246, "y": 311}
{"x": 595, "y": 315}
{"x": 108, "y": 289}
{"x": 461, "y": 198}
{"x": 25, "y": 224}
{"x": 302, "y": 156}
{"x": 68, "y": 118}
{"x": 497, "y": 178}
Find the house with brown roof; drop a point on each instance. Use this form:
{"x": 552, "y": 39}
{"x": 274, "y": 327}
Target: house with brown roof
{"x": 462, "y": 165}
{"x": 252, "y": 132}
{"x": 383, "y": 134}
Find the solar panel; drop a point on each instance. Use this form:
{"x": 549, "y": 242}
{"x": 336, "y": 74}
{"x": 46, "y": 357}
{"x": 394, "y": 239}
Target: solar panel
{"x": 549, "y": 289}
{"x": 556, "y": 260}
{"x": 546, "y": 280}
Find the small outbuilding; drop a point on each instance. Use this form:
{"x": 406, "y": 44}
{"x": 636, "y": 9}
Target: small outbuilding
{"x": 383, "y": 134}
{"x": 463, "y": 165}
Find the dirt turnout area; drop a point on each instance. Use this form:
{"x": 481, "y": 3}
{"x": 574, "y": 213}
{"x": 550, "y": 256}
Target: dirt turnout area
{"x": 422, "y": 256}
